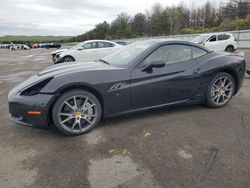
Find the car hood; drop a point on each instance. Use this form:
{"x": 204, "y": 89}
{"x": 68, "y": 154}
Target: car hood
{"x": 55, "y": 70}
{"x": 58, "y": 51}
{"x": 73, "y": 66}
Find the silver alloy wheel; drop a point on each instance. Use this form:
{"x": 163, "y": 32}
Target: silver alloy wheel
{"x": 77, "y": 113}
{"x": 222, "y": 90}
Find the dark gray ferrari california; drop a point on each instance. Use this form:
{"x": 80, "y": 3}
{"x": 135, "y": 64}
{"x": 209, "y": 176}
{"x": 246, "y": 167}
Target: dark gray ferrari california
{"x": 143, "y": 75}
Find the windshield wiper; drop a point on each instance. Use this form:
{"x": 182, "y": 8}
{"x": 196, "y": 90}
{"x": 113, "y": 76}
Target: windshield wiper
{"x": 104, "y": 61}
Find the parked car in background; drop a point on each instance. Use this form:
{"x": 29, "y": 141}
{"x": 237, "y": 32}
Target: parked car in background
{"x": 49, "y": 45}
{"x": 13, "y": 46}
{"x": 53, "y": 45}
{"x": 85, "y": 51}
{"x": 141, "y": 76}
{"x": 29, "y": 45}
{"x": 25, "y": 47}
{"x": 217, "y": 41}
{"x": 4, "y": 46}
{"x": 41, "y": 45}
{"x": 35, "y": 46}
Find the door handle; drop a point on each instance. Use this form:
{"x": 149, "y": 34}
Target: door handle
{"x": 196, "y": 71}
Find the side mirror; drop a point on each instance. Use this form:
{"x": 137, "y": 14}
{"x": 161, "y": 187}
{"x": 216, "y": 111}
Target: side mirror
{"x": 154, "y": 64}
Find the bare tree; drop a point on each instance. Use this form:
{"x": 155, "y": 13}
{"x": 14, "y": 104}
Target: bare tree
{"x": 174, "y": 20}
{"x": 154, "y": 19}
{"x": 139, "y": 24}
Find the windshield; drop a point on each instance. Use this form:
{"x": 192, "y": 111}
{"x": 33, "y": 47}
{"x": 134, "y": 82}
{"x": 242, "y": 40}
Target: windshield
{"x": 77, "y": 46}
{"x": 200, "y": 39}
{"x": 125, "y": 56}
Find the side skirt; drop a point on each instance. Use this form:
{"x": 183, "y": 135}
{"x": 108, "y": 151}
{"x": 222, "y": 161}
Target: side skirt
{"x": 176, "y": 103}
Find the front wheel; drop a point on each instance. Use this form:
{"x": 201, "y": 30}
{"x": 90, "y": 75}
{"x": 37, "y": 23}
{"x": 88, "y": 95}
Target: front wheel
{"x": 220, "y": 90}
{"x": 68, "y": 59}
{"x": 76, "y": 112}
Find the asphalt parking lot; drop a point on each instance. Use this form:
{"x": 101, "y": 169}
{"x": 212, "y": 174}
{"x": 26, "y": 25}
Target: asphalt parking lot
{"x": 187, "y": 146}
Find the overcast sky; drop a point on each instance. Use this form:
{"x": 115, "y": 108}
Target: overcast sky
{"x": 69, "y": 17}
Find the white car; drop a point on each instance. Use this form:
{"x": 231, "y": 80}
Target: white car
{"x": 13, "y": 46}
{"x": 217, "y": 41}
{"x": 25, "y": 47}
{"x": 85, "y": 51}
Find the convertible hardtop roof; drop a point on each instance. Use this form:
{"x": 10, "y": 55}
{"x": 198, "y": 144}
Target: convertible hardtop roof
{"x": 176, "y": 41}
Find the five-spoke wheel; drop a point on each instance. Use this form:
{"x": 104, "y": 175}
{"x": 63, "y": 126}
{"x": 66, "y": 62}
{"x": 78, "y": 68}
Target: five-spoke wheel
{"x": 76, "y": 112}
{"x": 221, "y": 90}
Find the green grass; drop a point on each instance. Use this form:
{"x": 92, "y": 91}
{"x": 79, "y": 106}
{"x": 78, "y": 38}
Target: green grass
{"x": 23, "y": 39}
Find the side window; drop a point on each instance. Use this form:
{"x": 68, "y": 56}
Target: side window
{"x": 100, "y": 44}
{"x": 227, "y": 37}
{"x": 170, "y": 54}
{"x": 197, "y": 52}
{"x": 94, "y": 44}
{"x": 212, "y": 39}
{"x": 107, "y": 44}
{"x": 104, "y": 45}
{"x": 223, "y": 37}
{"x": 88, "y": 45}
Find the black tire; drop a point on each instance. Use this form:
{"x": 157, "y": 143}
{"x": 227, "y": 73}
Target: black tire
{"x": 68, "y": 130}
{"x": 229, "y": 49}
{"x": 68, "y": 59}
{"x": 209, "y": 101}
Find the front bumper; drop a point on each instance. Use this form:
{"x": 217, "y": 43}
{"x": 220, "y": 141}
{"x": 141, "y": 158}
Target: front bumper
{"x": 19, "y": 106}
{"x": 56, "y": 59}
{"x": 53, "y": 58}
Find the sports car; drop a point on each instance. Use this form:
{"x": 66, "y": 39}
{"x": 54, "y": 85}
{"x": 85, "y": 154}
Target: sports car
{"x": 141, "y": 76}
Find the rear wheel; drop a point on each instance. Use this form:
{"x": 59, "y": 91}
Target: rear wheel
{"x": 220, "y": 90}
{"x": 68, "y": 59}
{"x": 76, "y": 112}
{"x": 229, "y": 49}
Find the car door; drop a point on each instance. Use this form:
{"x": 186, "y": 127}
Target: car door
{"x": 175, "y": 82}
{"x": 222, "y": 42}
{"x": 212, "y": 43}
{"x": 105, "y": 48}
{"x": 87, "y": 52}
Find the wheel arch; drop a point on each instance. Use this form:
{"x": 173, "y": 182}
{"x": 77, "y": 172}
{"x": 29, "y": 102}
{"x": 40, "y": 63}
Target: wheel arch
{"x": 235, "y": 77}
{"x": 230, "y": 45}
{"x": 69, "y": 56}
{"x": 73, "y": 86}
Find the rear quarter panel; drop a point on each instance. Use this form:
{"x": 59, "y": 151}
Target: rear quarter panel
{"x": 214, "y": 62}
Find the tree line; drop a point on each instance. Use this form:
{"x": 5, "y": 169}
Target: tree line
{"x": 159, "y": 20}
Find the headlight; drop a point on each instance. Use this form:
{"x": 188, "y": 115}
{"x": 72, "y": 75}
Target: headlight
{"x": 36, "y": 88}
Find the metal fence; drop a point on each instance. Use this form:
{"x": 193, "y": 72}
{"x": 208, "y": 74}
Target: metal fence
{"x": 242, "y": 36}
